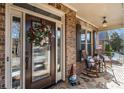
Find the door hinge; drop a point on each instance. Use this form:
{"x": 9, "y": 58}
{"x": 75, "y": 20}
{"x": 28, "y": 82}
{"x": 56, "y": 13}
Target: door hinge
{"x": 7, "y": 59}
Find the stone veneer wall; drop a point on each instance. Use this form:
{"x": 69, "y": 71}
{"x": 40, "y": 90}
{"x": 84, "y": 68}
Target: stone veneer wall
{"x": 2, "y": 45}
{"x": 70, "y": 36}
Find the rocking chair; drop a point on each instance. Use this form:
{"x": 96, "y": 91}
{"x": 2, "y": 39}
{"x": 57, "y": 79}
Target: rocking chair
{"x": 91, "y": 66}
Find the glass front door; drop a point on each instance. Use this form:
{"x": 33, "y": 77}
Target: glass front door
{"x": 40, "y": 59}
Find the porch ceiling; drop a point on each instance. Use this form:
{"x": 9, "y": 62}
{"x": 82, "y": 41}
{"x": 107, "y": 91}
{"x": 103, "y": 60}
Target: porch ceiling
{"x": 94, "y": 12}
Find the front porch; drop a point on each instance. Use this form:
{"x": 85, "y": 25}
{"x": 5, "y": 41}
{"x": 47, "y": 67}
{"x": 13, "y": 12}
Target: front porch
{"x": 74, "y": 29}
{"x": 105, "y": 80}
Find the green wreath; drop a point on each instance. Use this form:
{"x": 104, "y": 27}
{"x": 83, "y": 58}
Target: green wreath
{"x": 40, "y": 36}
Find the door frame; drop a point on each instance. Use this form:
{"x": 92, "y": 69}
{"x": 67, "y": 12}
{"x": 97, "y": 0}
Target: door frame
{"x": 59, "y": 74}
{"x": 48, "y": 8}
{"x": 8, "y": 45}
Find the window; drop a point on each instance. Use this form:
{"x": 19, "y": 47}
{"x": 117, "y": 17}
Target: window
{"x": 83, "y": 42}
{"x": 88, "y": 42}
{"x": 82, "y": 39}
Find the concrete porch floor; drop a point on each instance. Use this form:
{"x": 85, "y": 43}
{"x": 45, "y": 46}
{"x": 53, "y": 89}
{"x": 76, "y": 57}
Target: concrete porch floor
{"x": 105, "y": 81}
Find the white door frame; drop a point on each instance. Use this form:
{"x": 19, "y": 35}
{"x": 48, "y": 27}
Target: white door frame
{"x": 8, "y": 45}
{"x": 59, "y": 74}
{"x": 7, "y": 26}
{"x": 7, "y": 53}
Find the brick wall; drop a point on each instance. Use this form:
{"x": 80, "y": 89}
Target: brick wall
{"x": 2, "y": 45}
{"x": 80, "y": 67}
{"x": 70, "y": 35}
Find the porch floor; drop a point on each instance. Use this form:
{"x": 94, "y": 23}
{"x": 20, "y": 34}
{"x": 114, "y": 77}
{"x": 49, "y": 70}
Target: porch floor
{"x": 105, "y": 81}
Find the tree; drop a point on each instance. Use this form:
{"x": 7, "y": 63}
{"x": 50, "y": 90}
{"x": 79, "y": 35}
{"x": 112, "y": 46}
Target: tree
{"x": 108, "y": 50}
{"x": 116, "y": 42}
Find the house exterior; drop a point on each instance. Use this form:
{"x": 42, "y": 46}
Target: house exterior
{"x": 41, "y": 44}
{"x": 25, "y": 65}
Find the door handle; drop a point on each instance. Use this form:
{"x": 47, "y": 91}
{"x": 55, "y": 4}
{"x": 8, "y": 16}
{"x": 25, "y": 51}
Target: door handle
{"x": 26, "y": 62}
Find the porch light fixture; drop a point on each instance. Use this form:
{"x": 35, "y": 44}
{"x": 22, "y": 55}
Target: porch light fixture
{"x": 104, "y": 23}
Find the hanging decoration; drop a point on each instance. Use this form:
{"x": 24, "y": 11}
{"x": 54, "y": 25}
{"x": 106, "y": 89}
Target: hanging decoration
{"x": 40, "y": 34}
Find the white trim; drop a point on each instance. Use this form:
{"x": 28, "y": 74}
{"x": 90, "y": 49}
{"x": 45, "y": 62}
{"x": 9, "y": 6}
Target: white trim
{"x": 63, "y": 47}
{"x": 59, "y": 74}
{"x": 23, "y": 43}
{"x": 48, "y": 8}
{"x": 34, "y": 13}
{"x": 69, "y": 6}
{"x": 57, "y": 25}
{"x": 7, "y": 45}
{"x": 86, "y": 21}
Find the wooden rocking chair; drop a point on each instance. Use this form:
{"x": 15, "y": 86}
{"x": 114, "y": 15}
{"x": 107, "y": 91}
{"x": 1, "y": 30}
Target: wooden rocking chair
{"x": 91, "y": 68}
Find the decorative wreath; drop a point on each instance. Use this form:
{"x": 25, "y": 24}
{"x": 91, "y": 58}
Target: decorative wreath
{"x": 40, "y": 35}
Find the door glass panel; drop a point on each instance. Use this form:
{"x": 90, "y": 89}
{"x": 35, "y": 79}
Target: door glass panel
{"x": 58, "y": 37}
{"x": 88, "y": 37}
{"x": 15, "y": 52}
{"x": 40, "y": 62}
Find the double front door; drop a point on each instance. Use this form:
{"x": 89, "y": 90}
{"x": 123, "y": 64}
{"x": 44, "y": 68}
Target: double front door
{"x": 31, "y": 65}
